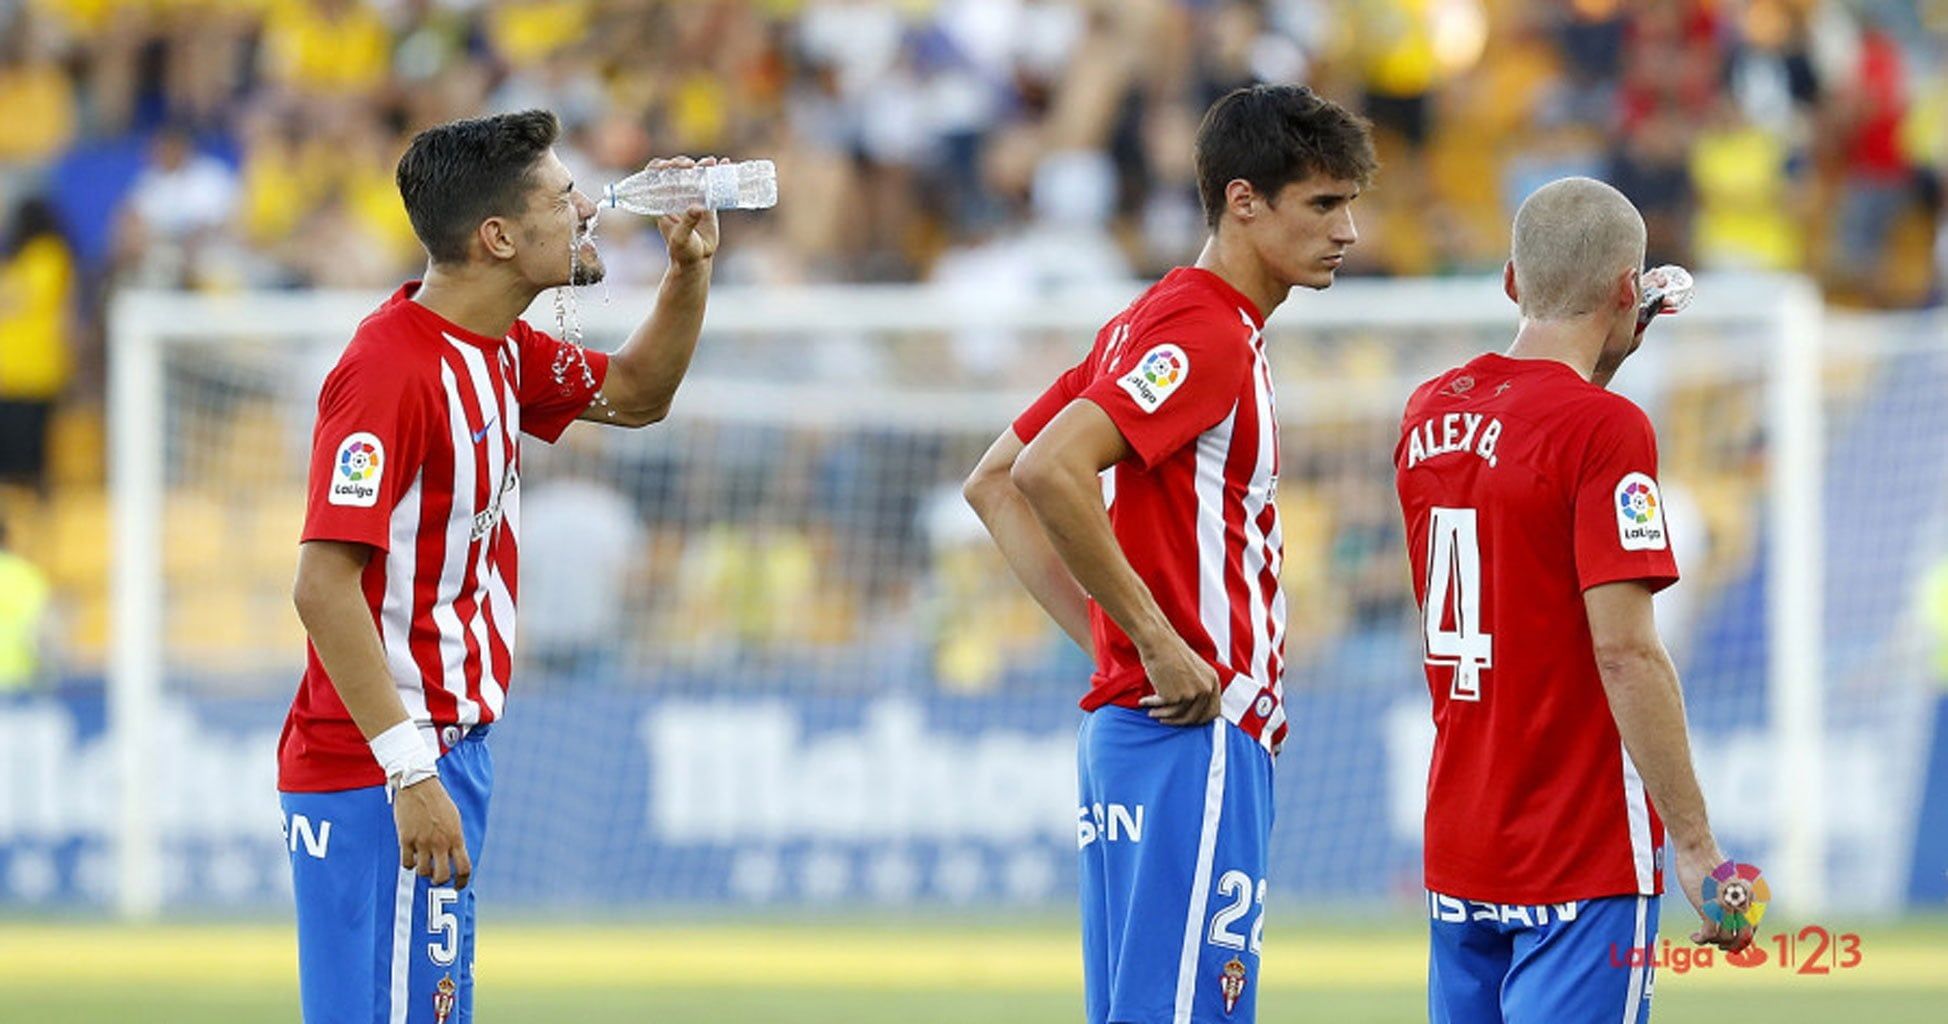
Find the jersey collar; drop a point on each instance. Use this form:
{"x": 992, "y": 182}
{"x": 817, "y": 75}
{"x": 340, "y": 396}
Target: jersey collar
{"x": 426, "y": 318}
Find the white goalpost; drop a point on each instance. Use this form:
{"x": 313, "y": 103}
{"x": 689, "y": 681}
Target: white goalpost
{"x": 808, "y": 455}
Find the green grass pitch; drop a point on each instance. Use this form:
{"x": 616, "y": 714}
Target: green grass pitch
{"x": 852, "y": 972}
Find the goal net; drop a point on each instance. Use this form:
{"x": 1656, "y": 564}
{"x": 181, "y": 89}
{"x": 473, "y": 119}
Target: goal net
{"x": 767, "y": 657}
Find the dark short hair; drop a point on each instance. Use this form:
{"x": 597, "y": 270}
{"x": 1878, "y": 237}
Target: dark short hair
{"x": 1274, "y": 135}
{"x": 458, "y": 174}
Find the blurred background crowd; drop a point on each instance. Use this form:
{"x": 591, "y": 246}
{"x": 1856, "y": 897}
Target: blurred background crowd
{"x": 991, "y": 147}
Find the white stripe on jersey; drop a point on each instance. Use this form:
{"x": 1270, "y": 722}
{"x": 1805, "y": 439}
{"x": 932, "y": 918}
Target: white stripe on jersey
{"x": 402, "y": 945}
{"x": 492, "y": 692}
{"x": 1257, "y": 493}
{"x": 453, "y": 571}
{"x": 496, "y": 585}
{"x": 1641, "y": 852}
{"x": 396, "y": 610}
{"x": 1275, "y": 538}
{"x": 1200, "y": 891}
{"x": 1213, "y": 598}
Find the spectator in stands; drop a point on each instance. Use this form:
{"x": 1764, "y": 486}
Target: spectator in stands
{"x": 24, "y": 619}
{"x": 178, "y": 209}
{"x": 326, "y": 49}
{"x": 1878, "y": 180}
{"x": 37, "y": 286}
{"x": 38, "y": 98}
{"x": 1748, "y": 211}
{"x": 577, "y": 574}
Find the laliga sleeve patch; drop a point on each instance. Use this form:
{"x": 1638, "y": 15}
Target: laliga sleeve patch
{"x": 1640, "y": 514}
{"x": 1161, "y": 371}
{"x": 356, "y": 471}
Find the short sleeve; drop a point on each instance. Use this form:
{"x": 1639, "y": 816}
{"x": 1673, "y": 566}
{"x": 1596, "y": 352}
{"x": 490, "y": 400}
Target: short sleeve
{"x": 557, "y": 381}
{"x": 1173, "y": 381}
{"x": 1621, "y": 533}
{"x": 1052, "y": 401}
{"x": 369, "y": 445}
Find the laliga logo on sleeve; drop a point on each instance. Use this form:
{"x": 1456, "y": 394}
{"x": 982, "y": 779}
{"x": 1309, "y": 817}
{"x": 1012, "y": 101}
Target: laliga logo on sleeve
{"x": 356, "y": 472}
{"x": 1640, "y": 514}
{"x": 1160, "y": 371}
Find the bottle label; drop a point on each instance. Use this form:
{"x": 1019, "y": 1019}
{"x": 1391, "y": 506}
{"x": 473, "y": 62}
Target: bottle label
{"x": 720, "y": 186}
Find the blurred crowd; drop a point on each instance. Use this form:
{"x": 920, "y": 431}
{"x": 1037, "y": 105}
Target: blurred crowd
{"x": 992, "y": 147}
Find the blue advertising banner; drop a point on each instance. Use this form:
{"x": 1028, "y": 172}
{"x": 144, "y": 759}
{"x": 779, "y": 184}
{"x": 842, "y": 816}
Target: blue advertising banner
{"x": 627, "y": 799}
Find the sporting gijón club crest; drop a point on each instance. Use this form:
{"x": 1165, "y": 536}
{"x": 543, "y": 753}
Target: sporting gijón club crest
{"x": 1232, "y": 983}
{"x": 443, "y": 996}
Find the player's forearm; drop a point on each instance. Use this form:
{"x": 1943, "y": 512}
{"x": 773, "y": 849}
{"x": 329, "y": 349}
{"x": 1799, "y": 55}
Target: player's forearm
{"x": 1648, "y": 706}
{"x": 1067, "y": 501}
{"x": 645, "y": 374}
{"x": 339, "y": 623}
{"x": 1031, "y": 557}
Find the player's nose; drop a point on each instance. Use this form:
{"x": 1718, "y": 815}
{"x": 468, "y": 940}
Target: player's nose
{"x": 1344, "y": 232}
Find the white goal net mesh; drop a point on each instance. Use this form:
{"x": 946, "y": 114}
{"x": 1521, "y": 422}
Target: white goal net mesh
{"x": 766, "y": 656}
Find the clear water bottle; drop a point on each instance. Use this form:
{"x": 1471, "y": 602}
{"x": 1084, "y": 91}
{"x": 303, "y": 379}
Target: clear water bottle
{"x": 653, "y": 192}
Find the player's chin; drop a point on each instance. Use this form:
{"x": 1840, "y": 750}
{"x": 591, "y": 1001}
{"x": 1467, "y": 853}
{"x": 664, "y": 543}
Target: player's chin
{"x": 590, "y": 273}
{"x": 1318, "y": 279}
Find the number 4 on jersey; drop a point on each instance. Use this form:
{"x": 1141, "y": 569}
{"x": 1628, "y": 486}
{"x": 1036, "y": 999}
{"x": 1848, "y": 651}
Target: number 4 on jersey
{"x": 1454, "y": 596}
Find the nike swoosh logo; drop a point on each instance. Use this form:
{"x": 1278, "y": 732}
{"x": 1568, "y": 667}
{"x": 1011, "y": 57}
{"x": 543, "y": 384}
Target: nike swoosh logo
{"x": 481, "y": 434}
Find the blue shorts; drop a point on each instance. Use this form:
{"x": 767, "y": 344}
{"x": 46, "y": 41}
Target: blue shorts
{"x": 377, "y": 944}
{"x": 1583, "y": 962}
{"x": 1173, "y": 831}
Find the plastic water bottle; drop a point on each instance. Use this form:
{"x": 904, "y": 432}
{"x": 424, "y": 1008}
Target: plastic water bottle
{"x": 751, "y": 185}
{"x": 1666, "y": 289}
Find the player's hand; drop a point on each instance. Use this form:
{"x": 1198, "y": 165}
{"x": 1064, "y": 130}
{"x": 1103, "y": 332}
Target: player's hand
{"x": 1186, "y": 685}
{"x": 692, "y": 234}
{"x": 1694, "y": 863}
{"x": 430, "y": 835}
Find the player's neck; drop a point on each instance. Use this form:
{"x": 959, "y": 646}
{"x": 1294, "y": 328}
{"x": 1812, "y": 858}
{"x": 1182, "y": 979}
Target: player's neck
{"x": 1234, "y": 263}
{"x": 1573, "y": 343}
{"x": 473, "y": 300}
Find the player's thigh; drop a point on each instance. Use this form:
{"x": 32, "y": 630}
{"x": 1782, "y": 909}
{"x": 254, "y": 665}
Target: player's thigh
{"x": 1224, "y": 983}
{"x": 344, "y": 852}
{"x": 377, "y": 942}
{"x": 431, "y": 955}
{"x": 1595, "y": 968}
{"x": 1174, "y": 832}
{"x": 1467, "y": 962}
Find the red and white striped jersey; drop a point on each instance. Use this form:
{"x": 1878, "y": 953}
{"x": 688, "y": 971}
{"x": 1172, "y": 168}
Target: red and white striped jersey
{"x": 1523, "y": 485}
{"x": 416, "y": 454}
{"x": 1182, "y": 373}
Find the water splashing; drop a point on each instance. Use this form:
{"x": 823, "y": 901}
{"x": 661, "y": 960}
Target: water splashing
{"x": 568, "y": 320}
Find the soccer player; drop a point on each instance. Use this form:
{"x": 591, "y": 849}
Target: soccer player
{"x": 1537, "y": 536}
{"x": 1174, "y": 588}
{"x": 407, "y": 574}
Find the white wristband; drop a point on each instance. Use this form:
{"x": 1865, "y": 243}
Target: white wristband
{"x": 403, "y": 756}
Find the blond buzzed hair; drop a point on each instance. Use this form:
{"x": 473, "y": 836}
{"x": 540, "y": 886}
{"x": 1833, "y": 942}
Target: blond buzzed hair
{"x": 1572, "y": 237}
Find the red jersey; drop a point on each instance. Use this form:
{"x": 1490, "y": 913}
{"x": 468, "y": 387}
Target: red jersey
{"x": 1182, "y": 374}
{"x": 1523, "y": 485}
{"x": 416, "y": 455}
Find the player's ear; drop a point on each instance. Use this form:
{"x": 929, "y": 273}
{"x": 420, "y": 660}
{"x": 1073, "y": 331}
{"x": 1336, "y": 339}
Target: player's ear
{"x": 1626, "y": 290}
{"x": 1508, "y": 283}
{"x": 1241, "y": 199}
{"x": 496, "y": 236}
